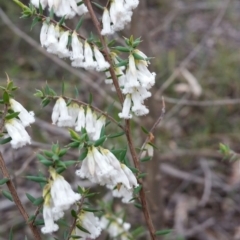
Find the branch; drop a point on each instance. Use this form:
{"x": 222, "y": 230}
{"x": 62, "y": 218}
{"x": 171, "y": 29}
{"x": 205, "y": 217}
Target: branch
{"x": 16, "y": 199}
{"x": 127, "y": 122}
{"x": 150, "y": 134}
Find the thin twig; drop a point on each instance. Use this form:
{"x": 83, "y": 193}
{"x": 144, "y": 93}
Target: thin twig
{"x": 16, "y": 199}
{"x": 150, "y": 134}
{"x": 127, "y": 122}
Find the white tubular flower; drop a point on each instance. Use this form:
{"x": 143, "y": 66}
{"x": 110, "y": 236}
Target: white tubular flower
{"x": 91, "y": 223}
{"x": 102, "y": 64}
{"x": 77, "y": 48}
{"x": 62, "y": 50}
{"x": 98, "y": 127}
{"x": 73, "y": 110}
{"x": 81, "y": 121}
{"x": 26, "y": 117}
{"x": 90, "y": 126}
{"x": 81, "y": 9}
{"x": 149, "y": 149}
{"x": 18, "y": 133}
{"x": 115, "y": 227}
{"x": 126, "y": 108}
{"x": 49, "y": 225}
{"x": 43, "y": 33}
{"x": 61, "y": 192}
{"x": 89, "y": 63}
{"x": 124, "y": 193}
{"x": 131, "y": 4}
{"x": 95, "y": 167}
{"x": 131, "y": 74}
{"x": 60, "y": 112}
{"x": 106, "y": 22}
{"x": 138, "y": 108}
{"x": 51, "y": 42}
{"x": 131, "y": 177}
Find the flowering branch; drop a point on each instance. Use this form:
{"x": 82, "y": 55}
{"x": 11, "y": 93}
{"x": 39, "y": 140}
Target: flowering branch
{"x": 16, "y": 199}
{"x": 94, "y": 108}
{"x": 127, "y": 122}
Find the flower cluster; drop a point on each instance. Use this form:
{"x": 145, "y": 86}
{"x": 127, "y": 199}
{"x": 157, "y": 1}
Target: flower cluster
{"x": 84, "y": 55}
{"x": 88, "y": 221}
{"x": 115, "y": 227}
{"x": 134, "y": 83}
{"x": 16, "y": 126}
{"x": 76, "y": 116}
{"x": 118, "y": 15}
{"x": 67, "y": 8}
{"x": 58, "y": 197}
{"x": 101, "y": 166}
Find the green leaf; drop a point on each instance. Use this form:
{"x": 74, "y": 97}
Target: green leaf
{"x": 144, "y": 130}
{"x": 7, "y": 195}
{"x": 38, "y": 201}
{"x": 74, "y": 135}
{"x": 122, "y": 63}
{"x": 10, "y": 85}
{"x": 52, "y": 13}
{"x": 40, "y": 8}
{"x": 76, "y": 92}
{"x": 61, "y": 22}
{"x": 136, "y": 232}
{"x": 6, "y": 97}
{"x": 79, "y": 24}
{"x": 30, "y": 198}
{"x": 116, "y": 135}
{"x": 10, "y": 234}
{"x": 92, "y": 210}
{"x": 100, "y": 141}
{"x": 60, "y": 169}
{"x": 12, "y": 115}
{"x": 138, "y": 205}
{"x": 3, "y": 181}
{"x": 90, "y": 98}
{"x": 88, "y": 195}
{"x": 5, "y": 140}
{"x": 48, "y": 153}
{"x": 38, "y": 93}
{"x": 163, "y": 232}
{"x": 73, "y": 145}
{"x": 122, "y": 49}
{"x": 39, "y": 222}
{"x": 45, "y": 102}
{"x": 73, "y": 213}
{"x": 82, "y": 229}
{"x": 37, "y": 179}
{"x": 98, "y": 5}
{"x": 142, "y": 175}
{"x": 83, "y": 154}
{"x": 145, "y": 159}
{"x": 34, "y": 22}
{"x": 137, "y": 189}
{"x": 62, "y": 152}
{"x": 70, "y": 162}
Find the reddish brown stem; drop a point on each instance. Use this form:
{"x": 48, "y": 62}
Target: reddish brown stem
{"x": 16, "y": 199}
{"x": 127, "y": 122}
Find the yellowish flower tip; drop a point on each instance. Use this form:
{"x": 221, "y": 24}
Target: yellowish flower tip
{"x": 8, "y": 79}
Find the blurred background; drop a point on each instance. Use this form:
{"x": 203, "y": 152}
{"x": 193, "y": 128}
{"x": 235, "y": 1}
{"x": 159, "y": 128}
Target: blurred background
{"x": 195, "y": 47}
